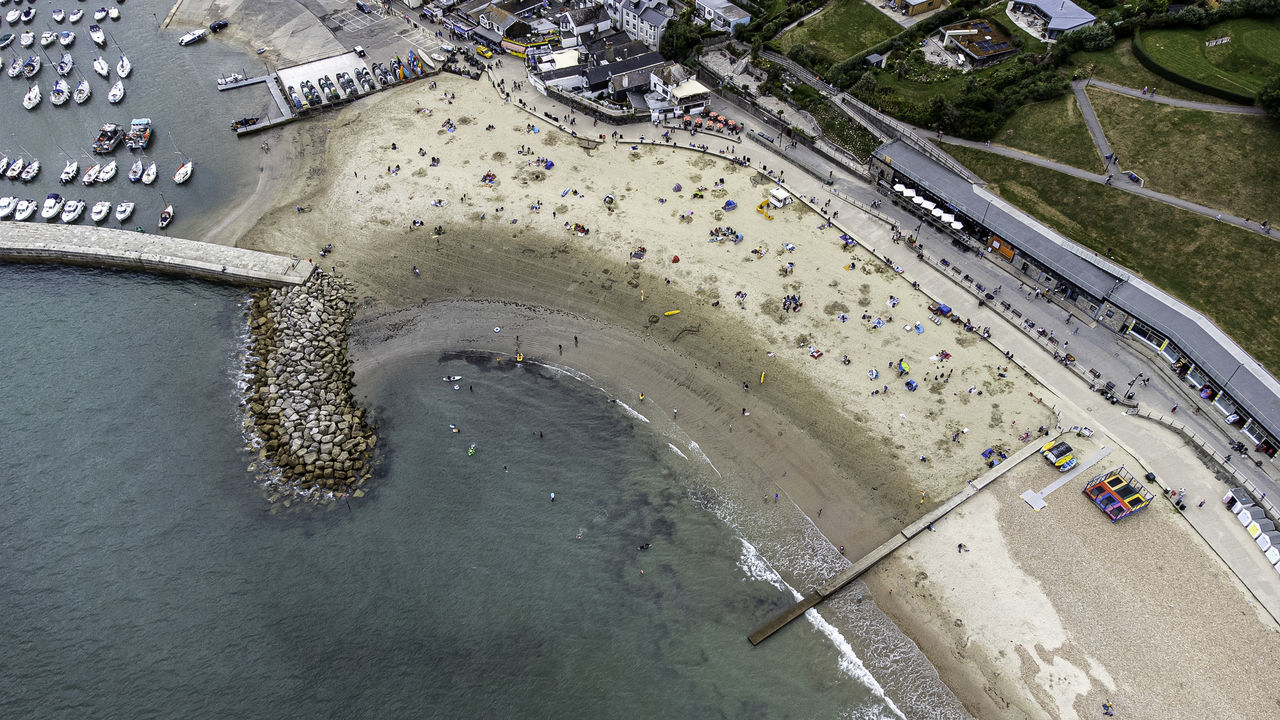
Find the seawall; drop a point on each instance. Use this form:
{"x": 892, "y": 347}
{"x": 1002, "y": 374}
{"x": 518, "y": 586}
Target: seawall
{"x": 130, "y": 250}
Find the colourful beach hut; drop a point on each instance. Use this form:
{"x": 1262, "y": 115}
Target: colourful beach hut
{"x": 1117, "y": 494}
{"x": 1257, "y": 527}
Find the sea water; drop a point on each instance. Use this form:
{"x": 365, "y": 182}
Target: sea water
{"x": 144, "y": 575}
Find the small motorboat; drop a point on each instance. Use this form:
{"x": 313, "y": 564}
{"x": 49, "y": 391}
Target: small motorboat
{"x": 25, "y": 209}
{"x": 230, "y": 79}
{"x": 451, "y": 378}
{"x": 116, "y": 93}
{"x": 15, "y": 68}
{"x": 98, "y": 37}
{"x": 4, "y": 164}
{"x": 72, "y": 211}
{"x": 135, "y": 172}
{"x": 66, "y": 38}
{"x": 31, "y": 66}
{"x": 65, "y": 63}
{"x": 28, "y": 15}
{"x": 113, "y": 13}
{"x": 32, "y": 98}
{"x": 76, "y": 15}
{"x": 82, "y": 92}
{"x": 91, "y": 175}
{"x": 27, "y": 38}
{"x": 6, "y": 40}
{"x": 101, "y": 67}
{"x": 123, "y": 211}
{"x": 124, "y": 67}
{"x": 184, "y": 172}
{"x": 47, "y": 38}
{"x": 7, "y": 206}
{"x": 149, "y": 176}
{"x": 166, "y": 217}
{"x": 108, "y": 172}
{"x": 101, "y": 210}
{"x": 70, "y": 172}
{"x": 12, "y": 16}
{"x": 100, "y": 14}
{"x": 15, "y": 170}
{"x": 59, "y": 15}
{"x": 193, "y": 37}
{"x": 52, "y": 206}
{"x": 30, "y": 172}
{"x": 60, "y": 93}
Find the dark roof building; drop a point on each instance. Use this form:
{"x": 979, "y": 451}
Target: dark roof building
{"x": 980, "y": 40}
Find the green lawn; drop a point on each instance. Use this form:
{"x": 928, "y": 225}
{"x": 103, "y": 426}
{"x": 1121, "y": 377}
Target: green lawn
{"x": 1118, "y": 65}
{"x": 1223, "y": 271}
{"x": 1243, "y": 65}
{"x": 842, "y": 29}
{"x": 1216, "y": 159}
{"x": 843, "y": 130}
{"x": 1053, "y": 129}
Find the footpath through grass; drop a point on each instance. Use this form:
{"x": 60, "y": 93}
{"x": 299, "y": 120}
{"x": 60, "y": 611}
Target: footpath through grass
{"x": 1217, "y": 159}
{"x": 841, "y": 29}
{"x": 1220, "y": 270}
{"x": 1118, "y": 65}
{"x": 1242, "y": 65}
{"x": 1053, "y": 129}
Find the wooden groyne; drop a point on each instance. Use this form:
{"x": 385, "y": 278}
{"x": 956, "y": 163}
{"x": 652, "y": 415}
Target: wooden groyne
{"x": 837, "y": 582}
{"x": 130, "y": 250}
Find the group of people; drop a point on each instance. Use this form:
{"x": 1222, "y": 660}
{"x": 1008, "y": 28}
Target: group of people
{"x": 791, "y": 303}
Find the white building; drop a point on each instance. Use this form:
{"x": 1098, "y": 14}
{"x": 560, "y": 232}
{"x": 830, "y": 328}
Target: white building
{"x": 722, "y": 14}
{"x": 644, "y": 20}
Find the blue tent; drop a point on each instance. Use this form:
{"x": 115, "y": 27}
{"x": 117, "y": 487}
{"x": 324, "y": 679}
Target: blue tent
{"x": 730, "y": 205}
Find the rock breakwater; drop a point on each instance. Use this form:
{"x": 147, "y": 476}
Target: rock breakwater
{"x": 310, "y": 439}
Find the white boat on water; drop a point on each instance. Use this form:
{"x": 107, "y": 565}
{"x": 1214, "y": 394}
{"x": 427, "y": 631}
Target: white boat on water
{"x": 60, "y": 93}
{"x": 30, "y": 172}
{"x": 101, "y": 211}
{"x": 4, "y": 165}
{"x": 100, "y": 14}
{"x": 91, "y": 175}
{"x": 47, "y": 38}
{"x": 116, "y": 94}
{"x": 123, "y": 211}
{"x": 7, "y": 206}
{"x": 72, "y": 211}
{"x": 66, "y": 38}
{"x": 25, "y": 209}
{"x": 70, "y": 172}
{"x": 65, "y": 63}
{"x": 135, "y": 172}
{"x": 15, "y": 68}
{"x": 58, "y": 15}
{"x": 149, "y": 176}
{"x": 101, "y": 67}
{"x": 31, "y": 66}
{"x": 166, "y": 217}
{"x": 12, "y": 16}
{"x": 184, "y": 172}
{"x": 194, "y": 36}
{"x": 98, "y": 37}
{"x": 108, "y": 172}
{"x": 27, "y": 38}
{"x": 33, "y": 97}
{"x": 15, "y": 170}
{"x": 52, "y": 206}
{"x": 113, "y": 13}
{"x": 124, "y": 67}
{"x": 82, "y": 92}
{"x": 75, "y": 15}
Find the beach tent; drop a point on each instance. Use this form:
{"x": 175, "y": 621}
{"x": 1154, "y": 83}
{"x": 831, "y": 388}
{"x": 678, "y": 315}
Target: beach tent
{"x": 908, "y": 192}
{"x": 928, "y": 205}
{"x": 947, "y": 217}
{"x": 899, "y": 188}
{"x": 1267, "y": 540}
{"x": 1249, "y": 514}
{"x": 937, "y": 212}
{"x": 730, "y": 205}
{"x": 957, "y": 225}
{"x": 918, "y": 200}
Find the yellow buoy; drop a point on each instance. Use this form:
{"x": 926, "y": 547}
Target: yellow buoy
{"x": 669, "y": 313}
{"x": 519, "y": 357}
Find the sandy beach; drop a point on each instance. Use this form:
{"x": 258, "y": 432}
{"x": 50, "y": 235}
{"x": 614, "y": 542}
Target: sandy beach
{"x": 1033, "y": 622}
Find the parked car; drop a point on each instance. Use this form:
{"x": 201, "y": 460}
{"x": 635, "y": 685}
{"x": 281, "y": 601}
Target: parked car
{"x": 358, "y": 50}
{"x": 217, "y": 25}
{"x": 363, "y": 7}
{"x": 484, "y": 52}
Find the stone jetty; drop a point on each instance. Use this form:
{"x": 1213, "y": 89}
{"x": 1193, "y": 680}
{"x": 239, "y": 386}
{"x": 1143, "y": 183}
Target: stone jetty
{"x": 311, "y": 441}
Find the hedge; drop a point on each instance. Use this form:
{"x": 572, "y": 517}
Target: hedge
{"x": 1140, "y": 52}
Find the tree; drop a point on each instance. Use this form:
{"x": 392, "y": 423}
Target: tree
{"x": 678, "y": 40}
{"x": 1269, "y": 98}
{"x": 866, "y": 84}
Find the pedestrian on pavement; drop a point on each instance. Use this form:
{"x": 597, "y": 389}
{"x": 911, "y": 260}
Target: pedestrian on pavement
{"x": 1174, "y": 410}
{"x": 1201, "y": 503}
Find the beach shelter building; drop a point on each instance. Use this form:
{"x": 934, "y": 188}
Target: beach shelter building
{"x": 1268, "y": 540}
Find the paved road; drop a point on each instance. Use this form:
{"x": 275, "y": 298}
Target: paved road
{"x": 1091, "y": 119}
{"x": 1176, "y": 102}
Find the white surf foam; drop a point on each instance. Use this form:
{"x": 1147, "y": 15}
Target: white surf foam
{"x": 693, "y": 446}
{"x": 631, "y": 411}
{"x": 676, "y": 450}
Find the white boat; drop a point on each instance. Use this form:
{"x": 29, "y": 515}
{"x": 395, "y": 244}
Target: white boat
{"x": 30, "y": 172}
{"x": 33, "y": 97}
{"x": 60, "y": 93}
{"x": 7, "y": 206}
{"x": 98, "y": 37}
{"x": 15, "y": 170}
{"x": 184, "y": 172}
{"x": 108, "y": 172}
{"x": 113, "y": 13}
{"x": 70, "y": 172}
{"x": 31, "y": 66}
{"x": 4, "y": 164}
{"x": 101, "y": 210}
{"x": 72, "y": 211}
{"x": 101, "y": 67}
{"x": 25, "y": 209}
{"x": 124, "y": 67}
{"x": 66, "y": 38}
{"x": 116, "y": 94}
{"x": 135, "y": 172}
{"x": 149, "y": 176}
{"x": 194, "y": 36}
{"x": 27, "y": 38}
{"x": 28, "y": 15}
{"x": 15, "y": 69}
{"x": 166, "y": 217}
{"x": 76, "y": 15}
{"x": 12, "y": 16}
{"x": 47, "y": 38}
{"x": 52, "y": 206}
{"x": 100, "y": 13}
{"x": 123, "y": 211}
{"x": 91, "y": 175}
{"x": 58, "y": 15}
{"x": 82, "y": 92}
{"x": 65, "y": 63}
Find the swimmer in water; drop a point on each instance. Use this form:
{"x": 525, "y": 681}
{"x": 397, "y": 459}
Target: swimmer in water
{"x": 645, "y": 546}
{"x": 553, "y": 497}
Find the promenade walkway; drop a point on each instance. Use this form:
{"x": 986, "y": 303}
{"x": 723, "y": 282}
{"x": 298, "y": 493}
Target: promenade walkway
{"x": 1177, "y": 102}
{"x": 129, "y": 250}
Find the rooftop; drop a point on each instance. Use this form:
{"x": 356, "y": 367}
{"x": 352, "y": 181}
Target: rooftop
{"x": 985, "y": 41}
{"x": 1062, "y": 14}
